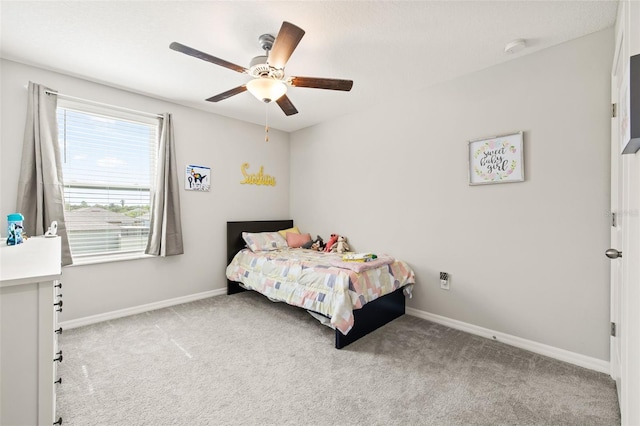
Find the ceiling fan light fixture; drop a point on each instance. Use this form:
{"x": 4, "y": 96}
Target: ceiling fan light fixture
{"x": 269, "y": 82}
{"x": 267, "y": 89}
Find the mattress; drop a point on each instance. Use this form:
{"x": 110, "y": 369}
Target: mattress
{"x": 316, "y": 281}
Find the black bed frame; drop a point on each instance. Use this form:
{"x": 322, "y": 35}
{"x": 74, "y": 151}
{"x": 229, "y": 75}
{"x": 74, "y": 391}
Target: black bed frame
{"x": 370, "y": 317}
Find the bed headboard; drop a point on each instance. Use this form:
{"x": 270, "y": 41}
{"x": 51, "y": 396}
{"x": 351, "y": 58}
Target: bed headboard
{"x": 235, "y": 243}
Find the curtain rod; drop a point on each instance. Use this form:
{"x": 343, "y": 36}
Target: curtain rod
{"x": 73, "y": 98}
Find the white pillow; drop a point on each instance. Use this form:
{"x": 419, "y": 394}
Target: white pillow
{"x": 264, "y": 241}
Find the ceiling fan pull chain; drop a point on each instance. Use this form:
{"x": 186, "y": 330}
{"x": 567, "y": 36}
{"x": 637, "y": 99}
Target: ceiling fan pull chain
{"x": 266, "y": 119}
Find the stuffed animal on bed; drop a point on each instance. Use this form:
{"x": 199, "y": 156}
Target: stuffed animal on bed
{"x": 317, "y": 245}
{"x": 341, "y": 245}
{"x": 333, "y": 240}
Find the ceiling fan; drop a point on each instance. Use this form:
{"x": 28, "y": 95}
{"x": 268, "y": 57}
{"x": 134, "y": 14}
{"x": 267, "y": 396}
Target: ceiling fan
{"x": 269, "y": 82}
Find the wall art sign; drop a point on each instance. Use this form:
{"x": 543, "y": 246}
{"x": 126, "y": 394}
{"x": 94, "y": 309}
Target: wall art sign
{"x": 256, "y": 178}
{"x": 197, "y": 178}
{"x": 498, "y": 159}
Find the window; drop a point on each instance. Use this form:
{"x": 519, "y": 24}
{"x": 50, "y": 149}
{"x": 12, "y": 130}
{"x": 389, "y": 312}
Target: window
{"x": 108, "y": 164}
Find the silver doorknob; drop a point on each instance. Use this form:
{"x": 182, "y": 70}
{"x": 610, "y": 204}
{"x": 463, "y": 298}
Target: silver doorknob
{"x": 613, "y": 253}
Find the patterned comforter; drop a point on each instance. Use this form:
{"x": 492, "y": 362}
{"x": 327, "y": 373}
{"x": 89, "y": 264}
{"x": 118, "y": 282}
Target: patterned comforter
{"x": 309, "y": 279}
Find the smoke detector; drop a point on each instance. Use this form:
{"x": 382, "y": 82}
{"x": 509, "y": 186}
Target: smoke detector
{"x": 515, "y": 46}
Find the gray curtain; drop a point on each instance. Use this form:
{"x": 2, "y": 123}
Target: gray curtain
{"x": 165, "y": 230}
{"x": 40, "y": 186}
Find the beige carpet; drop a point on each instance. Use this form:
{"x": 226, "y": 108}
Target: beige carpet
{"x": 242, "y": 360}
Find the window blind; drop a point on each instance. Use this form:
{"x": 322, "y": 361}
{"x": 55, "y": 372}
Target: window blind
{"x": 108, "y": 164}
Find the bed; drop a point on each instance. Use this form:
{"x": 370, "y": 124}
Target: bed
{"x": 355, "y": 311}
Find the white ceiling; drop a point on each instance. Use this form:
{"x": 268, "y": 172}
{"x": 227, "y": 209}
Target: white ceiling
{"x": 387, "y": 48}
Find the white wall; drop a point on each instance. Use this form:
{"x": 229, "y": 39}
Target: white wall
{"x": 526, "y": 259}
{"x": 201, "y": 138}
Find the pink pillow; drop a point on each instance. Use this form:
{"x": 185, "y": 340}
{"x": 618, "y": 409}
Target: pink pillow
{"x": 297, "y": 240}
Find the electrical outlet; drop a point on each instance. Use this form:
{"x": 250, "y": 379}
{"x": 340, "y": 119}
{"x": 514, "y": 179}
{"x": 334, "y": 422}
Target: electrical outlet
{"x": 444, "y": 280}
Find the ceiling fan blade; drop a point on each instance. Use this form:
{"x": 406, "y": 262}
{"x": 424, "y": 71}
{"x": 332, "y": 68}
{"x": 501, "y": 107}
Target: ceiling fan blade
{"x": 288, "y": 38}
{"x": 206, "y": 57}
{"x": 285, "y": 104}
{"x": 224, "y": 95}
{"x": 322, "y": 83}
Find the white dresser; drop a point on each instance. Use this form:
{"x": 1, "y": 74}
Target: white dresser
{"x": 30, "y": 299}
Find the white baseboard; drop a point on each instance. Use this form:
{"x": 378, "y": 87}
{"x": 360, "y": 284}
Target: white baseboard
{"x": 93, "y": 319}
{"x": 539, "y": 348}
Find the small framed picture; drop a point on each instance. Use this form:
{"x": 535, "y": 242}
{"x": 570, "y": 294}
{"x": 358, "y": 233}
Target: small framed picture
{"x": 197, "y": 178}
{"x": 497, "y": 159}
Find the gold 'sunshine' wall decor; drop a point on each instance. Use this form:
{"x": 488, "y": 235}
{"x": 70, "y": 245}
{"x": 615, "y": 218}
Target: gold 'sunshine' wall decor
{"x": 256, "y": 178}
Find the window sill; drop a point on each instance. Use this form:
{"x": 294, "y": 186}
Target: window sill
{"x": 108, "y": 259}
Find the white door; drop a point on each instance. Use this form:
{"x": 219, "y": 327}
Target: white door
{"x": 626, "y": 346}
{"x": 625, "y": 235}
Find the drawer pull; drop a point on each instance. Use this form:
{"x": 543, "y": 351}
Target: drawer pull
{"x": 59, "y": 357}
{"x": 59, "y": 296}
{"x": 58, "y": 422}
{"x": 59, "y": 381}
{"x": 59, "y": 285}
{"x": 59, "y": 330}
{"x": 58, "y": 304}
